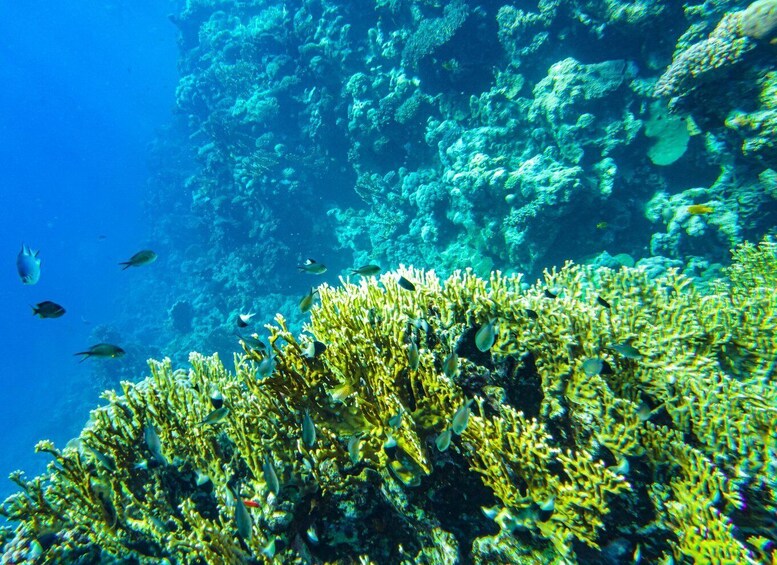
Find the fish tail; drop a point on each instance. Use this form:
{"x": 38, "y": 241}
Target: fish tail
{"x": 85, "y": 354}
{"x": 35, "y": 310}
{"x": 126, "y": 264}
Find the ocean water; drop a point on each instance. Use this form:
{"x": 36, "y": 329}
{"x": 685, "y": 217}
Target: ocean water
{"x": 86, "y": 86}
{"x": 243, "y": 141}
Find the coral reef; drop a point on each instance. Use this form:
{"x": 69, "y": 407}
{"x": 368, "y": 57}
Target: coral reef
{"x": 596, "y": 413}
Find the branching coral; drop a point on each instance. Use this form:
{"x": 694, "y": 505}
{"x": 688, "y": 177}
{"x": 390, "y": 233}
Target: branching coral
{"x": 595, "y": 393}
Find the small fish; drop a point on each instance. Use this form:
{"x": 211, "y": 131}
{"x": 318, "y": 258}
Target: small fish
{"x": 602, "y": 302}
{"x": 592, "y": 366}
{"x": 139, "y": 259}
{"x": 637, "y": 556}
{"x": 270, "y": 477}
{"x": 545, "y": 509}
{"x": 549, "y": 294}
{"x": 102, "y": 350}
{"x": 313, "y": 349}
{"x": 141, "y": 465}
{"x": 307, "y": 301}
{"x": 244, "y": 319}
{"x": 28, "y": 265}
{"x": 312, "y": 534}
{"x": 406, "y": 284}
{"x": 531, "y": 314}
{"x": 461, "y": 418}
{"x": 200, "y": 478}
{"x": 623, "y": 467}
{"x": 699, "y": 209}
{"x": 366, "y": 271}
{"x": 154, "y": 444}
{"x": 354, "y": 448}
{"x": 601, "y": 225}
{"x": 216, "y": 416}
{"x": 450, "y": 367}
{"x": 251, "y": 503}
{"x": 341, "y": 392}
{"x": 253, "y": 342}
{"x": 269, "y": 549}
{"x": 48, "y": 309}
{"x": 396, "y": 420}
{"x": 266, "y": 367}
{"x": 644, "y": 412}
{"x": 312, "y": 267}
{"x": 308, "y": 430}
{"x": 486, "y": 335}
{"x": 443, "y": 440}
{"x": 419, "y": 323}
{"x": 627, "y": 350}
{"x": 104, "y": 459}
{"x": 216, "y": 398}
{"x": 242, "y": 519}
{"x": 413, "y": 356}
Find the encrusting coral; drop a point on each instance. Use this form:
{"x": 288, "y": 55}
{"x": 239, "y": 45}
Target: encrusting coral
{"x": 420, "y": 420}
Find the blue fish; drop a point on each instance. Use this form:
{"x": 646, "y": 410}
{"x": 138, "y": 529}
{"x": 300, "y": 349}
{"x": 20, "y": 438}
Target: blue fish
{"x": 28, "y": 265}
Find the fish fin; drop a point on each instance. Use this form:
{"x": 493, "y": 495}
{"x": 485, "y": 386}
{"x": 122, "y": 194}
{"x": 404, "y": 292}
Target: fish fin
{"x": 86, "y": 355}
{"x": 35, "y": 310}
{"x": 127, "y": 265}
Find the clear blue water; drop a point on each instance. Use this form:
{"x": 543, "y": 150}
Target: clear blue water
{"x": 85, "y": 87}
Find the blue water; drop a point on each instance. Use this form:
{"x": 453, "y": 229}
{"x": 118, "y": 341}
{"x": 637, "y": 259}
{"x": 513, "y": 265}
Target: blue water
{"x": 85, "y": 87}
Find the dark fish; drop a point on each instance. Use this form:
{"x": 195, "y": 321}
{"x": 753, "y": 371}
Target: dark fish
{"x": 312, "y": 267}
{"x": 531, "y": 314}
{"x": 627, "y": 350}
{"x": 406, "y": 284}
{"x": 366, "y": 270}
{"x": 602, "y": 302}
{"x": 307, "y": 301}
{"x": 253, "y": 342}
{"x": 216, "y": 398}
{"x": 244, "y": 319}
{"x": 313, "y": 349}
{"x": 102, "y": 350}
{"x": 28, "y": 265}
{"x": 549, "y": 294}
{"x": 48, "y": 309}
{"x": 144, "y": 257}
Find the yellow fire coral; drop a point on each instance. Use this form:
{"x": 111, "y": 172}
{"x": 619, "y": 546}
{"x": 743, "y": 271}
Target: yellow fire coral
{"x": 602, "y": 409}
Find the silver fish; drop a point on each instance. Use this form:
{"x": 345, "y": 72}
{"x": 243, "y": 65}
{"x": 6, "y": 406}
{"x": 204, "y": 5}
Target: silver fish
{"x": 592, "y": 366}
{"x": 154, "y": 444}
{"x": 486, "y": 336}
{"x": 308, "y": 430}
{"x": 216, "y": 416}
{"x": 354, "y": 448}
{"x": 450, "y": 367}
{"x": 268, "y": 469}
{"x": 28, "y": 265}
{"x": 461, "y": 418}
{"x": 443, "y": 440}
{"x": 413, "y": 357}
{"x": 243, "y": 520}
{"x": 366, "y": 270}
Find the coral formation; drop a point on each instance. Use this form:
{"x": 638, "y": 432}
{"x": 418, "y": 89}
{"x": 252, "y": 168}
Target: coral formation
{"x": 597, "y": 411}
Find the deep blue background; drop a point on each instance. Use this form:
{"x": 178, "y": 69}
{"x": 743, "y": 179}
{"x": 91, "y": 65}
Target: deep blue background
{"x": 83, "y": 87}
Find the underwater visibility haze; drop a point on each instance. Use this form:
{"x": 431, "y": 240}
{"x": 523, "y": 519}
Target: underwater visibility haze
{"x": 389, "y": 281}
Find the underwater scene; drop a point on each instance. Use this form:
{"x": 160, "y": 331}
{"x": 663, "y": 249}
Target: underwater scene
{"x": 389, "y": 282}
